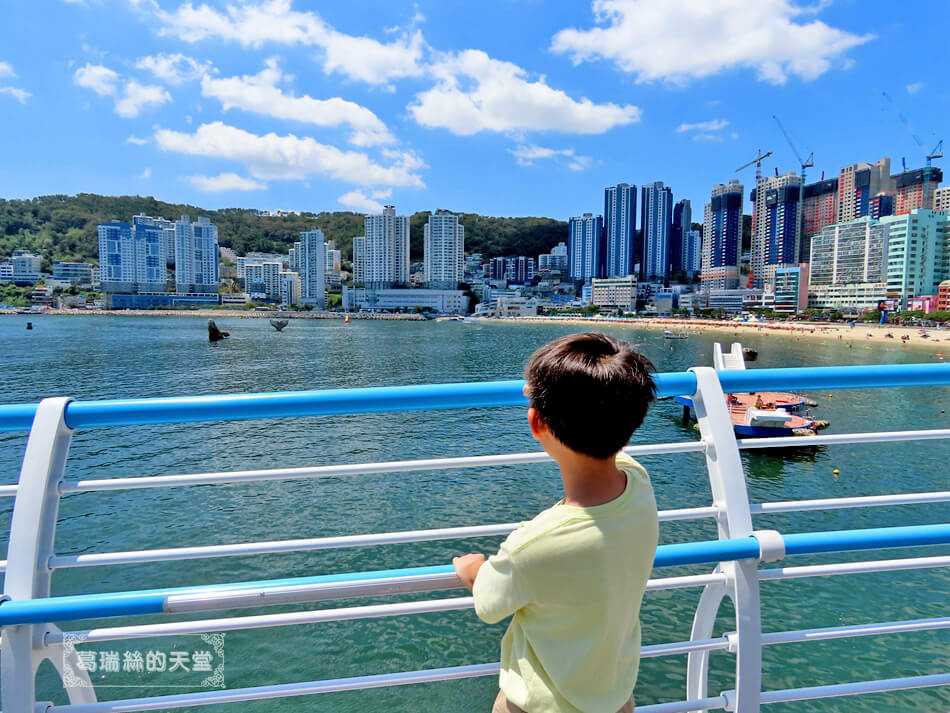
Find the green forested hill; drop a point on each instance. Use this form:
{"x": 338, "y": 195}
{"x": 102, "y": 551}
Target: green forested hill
{"x": 65, "y": 227}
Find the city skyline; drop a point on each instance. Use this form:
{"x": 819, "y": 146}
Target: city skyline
{"x": 347, "y": 110}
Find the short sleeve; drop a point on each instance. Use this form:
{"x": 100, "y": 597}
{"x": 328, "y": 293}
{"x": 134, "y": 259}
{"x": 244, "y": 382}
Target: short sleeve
{"x": 500, "y": 588}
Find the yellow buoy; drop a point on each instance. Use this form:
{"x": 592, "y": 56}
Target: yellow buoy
{"x": 830, "y": 396}
{"x": 836, "y": 471}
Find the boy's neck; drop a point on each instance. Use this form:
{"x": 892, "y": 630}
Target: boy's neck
{"x": 589, "y": 481}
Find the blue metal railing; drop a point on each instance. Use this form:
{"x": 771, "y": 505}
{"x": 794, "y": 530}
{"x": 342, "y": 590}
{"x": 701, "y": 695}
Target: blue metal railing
{"x": 153, "y": 601}
{"x": 239, "y": 407}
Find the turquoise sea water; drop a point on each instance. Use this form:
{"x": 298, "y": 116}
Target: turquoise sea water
{"x": 106, "y": 357}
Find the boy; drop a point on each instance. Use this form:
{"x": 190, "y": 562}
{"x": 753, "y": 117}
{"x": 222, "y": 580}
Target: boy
{"x": 574, "y": 576}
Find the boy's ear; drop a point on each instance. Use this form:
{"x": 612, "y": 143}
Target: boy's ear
{"x": 538, "y": 427}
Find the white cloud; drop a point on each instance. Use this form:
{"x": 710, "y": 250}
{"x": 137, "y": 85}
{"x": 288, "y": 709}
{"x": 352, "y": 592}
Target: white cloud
{"x": 225, "y": 182}
{"x": 173, "y": 68}
{"x": 712, "y": 125}
{"x": 147, "y": 173}
{"x": 477, "y": 93}
{"x": 291, "y": 157}
{"x": 254, "y": 23}
{"x": 139, "y": 97}
{"x": 717, "y": 138}
{"x": 136, "y": 140}
{"x": 6, "y": 70}
{"x": 382, "y": 193}
{"x": 679, "y": 40}
{"x": 360, "y": 203}
{"x": 260, "y": 94}
{"x": 102, "y": 80}
{"x": 915, "y": 87}
{"x": 526, "y": 155}
{"x": 21, "y": 95}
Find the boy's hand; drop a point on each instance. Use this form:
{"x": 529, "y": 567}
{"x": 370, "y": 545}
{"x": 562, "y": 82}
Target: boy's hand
{"x": 467, "y": 566}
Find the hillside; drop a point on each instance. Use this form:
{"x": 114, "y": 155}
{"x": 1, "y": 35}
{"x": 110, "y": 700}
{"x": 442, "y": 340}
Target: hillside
{"x": 63, "y": 227}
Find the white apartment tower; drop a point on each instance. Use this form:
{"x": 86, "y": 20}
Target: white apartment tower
{"x": 387, "y": 249}
{"x": 359, "y": 260}
{"x": 311, "y": 258}
{"x": 196, "y": 256}
{"x": 444, "y": 251}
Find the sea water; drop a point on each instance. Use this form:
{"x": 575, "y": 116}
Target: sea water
{"x": 89, "y": 357}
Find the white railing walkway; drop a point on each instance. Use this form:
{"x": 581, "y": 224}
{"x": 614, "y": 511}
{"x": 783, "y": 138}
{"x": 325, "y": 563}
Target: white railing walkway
{"x": 28, "y": 614}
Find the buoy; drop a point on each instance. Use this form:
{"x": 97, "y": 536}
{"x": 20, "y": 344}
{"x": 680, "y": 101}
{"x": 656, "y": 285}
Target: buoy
{"x": 29, "y": 325}
{"x": 836, "y": 471}
{"x": 830, "y": 396}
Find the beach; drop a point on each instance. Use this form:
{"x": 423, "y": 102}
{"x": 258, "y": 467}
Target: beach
{"x": 861, "y": 335}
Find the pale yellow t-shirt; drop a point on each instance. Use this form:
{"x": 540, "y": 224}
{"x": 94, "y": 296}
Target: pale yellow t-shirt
{"x": 574, "y": 578}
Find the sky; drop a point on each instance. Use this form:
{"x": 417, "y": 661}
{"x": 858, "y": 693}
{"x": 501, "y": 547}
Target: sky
{"x": 505, "y": 107}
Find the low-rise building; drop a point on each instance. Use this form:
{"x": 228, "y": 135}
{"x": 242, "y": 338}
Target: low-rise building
{"x": 516, "y": 307}
{"x": 153, "y": 300}
{"x": 850, "y": 298}
{"x": 943, "y": 296}
{"x": 443, "y": 301}
{"x": 26, "y": 267}
{"x": 615, "y": 293}
{"x": 733, "y": 301}
{"x": 790, "y": 289}
{"x": 75, "y": 273}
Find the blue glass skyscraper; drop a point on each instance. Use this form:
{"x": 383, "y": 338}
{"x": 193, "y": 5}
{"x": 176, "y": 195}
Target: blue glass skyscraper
{"x": 682, "y": 224}
{"x": 620, "y": 210}
{"x": 656, "y": 218}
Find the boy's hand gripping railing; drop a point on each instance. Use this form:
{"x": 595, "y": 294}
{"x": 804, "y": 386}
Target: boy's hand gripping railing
{"x": 32, "y": 533}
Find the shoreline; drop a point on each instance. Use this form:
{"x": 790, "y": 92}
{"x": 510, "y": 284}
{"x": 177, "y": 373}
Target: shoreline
{"x": 216, "y": 314}
{"x": 860, "y": 334}
{"x": 867, "y": 334}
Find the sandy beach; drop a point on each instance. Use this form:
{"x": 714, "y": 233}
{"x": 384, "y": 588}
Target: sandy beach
{"x": 862, "y": 334}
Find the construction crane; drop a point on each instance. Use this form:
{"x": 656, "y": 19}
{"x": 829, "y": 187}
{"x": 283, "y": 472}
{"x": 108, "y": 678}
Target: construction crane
{"x": 935, "y": 152}
{"x": 758, "y": 165}
{"x": 807, "y": 163}
{"x": 758, "y": 177}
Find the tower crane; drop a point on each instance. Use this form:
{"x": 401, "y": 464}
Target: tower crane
{"x": 758, "y": 178}
{"x": 758, "y": 164}
{"x": 935, "y": 152}
{"x": 807, "y": 163}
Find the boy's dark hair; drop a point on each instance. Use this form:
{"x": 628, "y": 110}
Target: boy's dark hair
{"x": 591, "y": 390}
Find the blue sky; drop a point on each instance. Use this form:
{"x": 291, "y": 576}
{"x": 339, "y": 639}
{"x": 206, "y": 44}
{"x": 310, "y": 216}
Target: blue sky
{"x": 514, "y": 107}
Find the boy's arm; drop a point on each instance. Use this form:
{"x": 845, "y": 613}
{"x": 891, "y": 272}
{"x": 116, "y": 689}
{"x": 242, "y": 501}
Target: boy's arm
{"x": 466, "y": 567}
{"x": 499, "y": 587}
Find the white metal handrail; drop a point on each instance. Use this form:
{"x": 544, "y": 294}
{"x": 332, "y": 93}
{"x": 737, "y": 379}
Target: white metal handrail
{"x": 738, "y": 579}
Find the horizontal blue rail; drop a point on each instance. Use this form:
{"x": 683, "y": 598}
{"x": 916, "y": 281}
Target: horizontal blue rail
{"x": 152, "y": 601}
{"x": 238, "y": 407}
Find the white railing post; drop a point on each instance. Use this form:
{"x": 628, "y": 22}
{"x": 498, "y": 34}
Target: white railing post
{"x": 730, "y": 497}
{"x": 32, "y": 534}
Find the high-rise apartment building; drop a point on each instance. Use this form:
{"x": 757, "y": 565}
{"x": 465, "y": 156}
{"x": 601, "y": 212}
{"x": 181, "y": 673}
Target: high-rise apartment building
{"x": 312, "y": 260}
{"x": 916, "y": 189}
{"x": 942, "y": 199}
{"x": 498, "y": 268}
{"x": 196, "y": 256}
{"x": 359, "y": 260}
{"x": 849, "y": 253}
{"x": 165, "y": 230}
{"x": 775, "y": 225}
{"x": 131, "y": 261}
{"x": 692, "y": 253}
{"x": 585, "y": 246}
{"x": 519, "y": 268}
{"x": 289, "y": 288}
{"x": 858, "y": 184}
{"x": 682, "y": 224}
{"x": 443, "y": 251}
{"x": 918, "y": 253}
{"x": 722, "y": 237}
{"x": 882, "y": 204}
{"x": 387, "y": 249}
{"x": 656, "y": 211}
{"x": 819, "y": 208}
{"x": 556, "y": 260}
{"x": 620, "y": 211}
